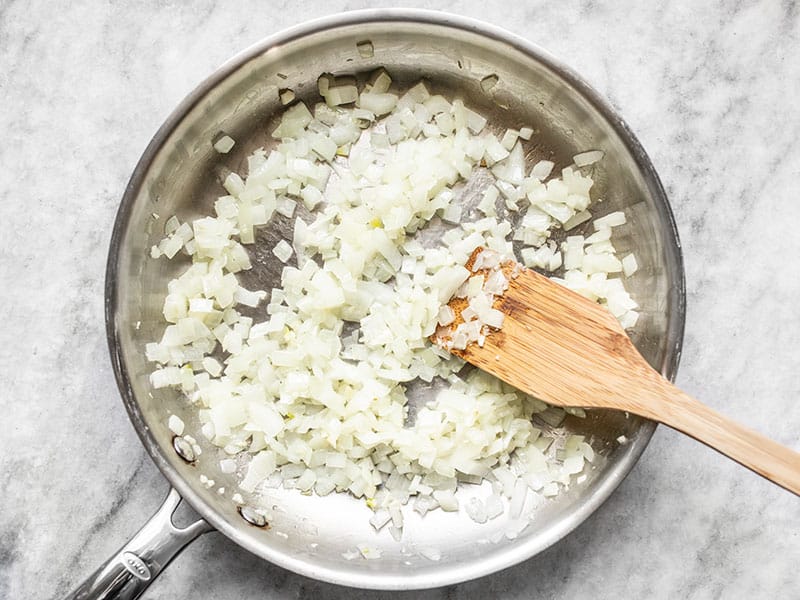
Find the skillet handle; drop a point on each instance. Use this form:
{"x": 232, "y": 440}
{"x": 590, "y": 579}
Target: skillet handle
{"x": 131, "y": 570}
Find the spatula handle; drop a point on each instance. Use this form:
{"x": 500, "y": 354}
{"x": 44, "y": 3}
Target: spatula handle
{"x": 752, "y": 450}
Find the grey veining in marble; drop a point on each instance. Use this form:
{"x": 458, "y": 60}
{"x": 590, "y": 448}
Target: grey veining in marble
{"x": 712, "y": 92}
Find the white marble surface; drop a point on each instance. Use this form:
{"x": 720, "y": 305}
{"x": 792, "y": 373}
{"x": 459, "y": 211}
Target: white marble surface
{"x": 712, "y": 94}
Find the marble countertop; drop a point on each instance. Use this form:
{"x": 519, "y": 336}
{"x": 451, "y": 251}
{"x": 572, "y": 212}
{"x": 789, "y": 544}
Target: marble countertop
{"x": 711, "y": 93}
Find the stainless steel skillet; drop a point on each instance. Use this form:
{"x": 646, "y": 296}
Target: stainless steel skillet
{"x": 179, "y": 173}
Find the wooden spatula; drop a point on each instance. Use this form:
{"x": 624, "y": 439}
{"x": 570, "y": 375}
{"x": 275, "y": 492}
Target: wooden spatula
{"x": 569, "y": 351}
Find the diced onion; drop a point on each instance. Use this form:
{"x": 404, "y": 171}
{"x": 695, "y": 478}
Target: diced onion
{"x": 584, "y": 159}
{"x": 283, "y": 250}
{"x": 308, "y": 392}
{"x": 629, "y": 265}
{"x": 224, "y": 144}
{"x": 175, "y": 424}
